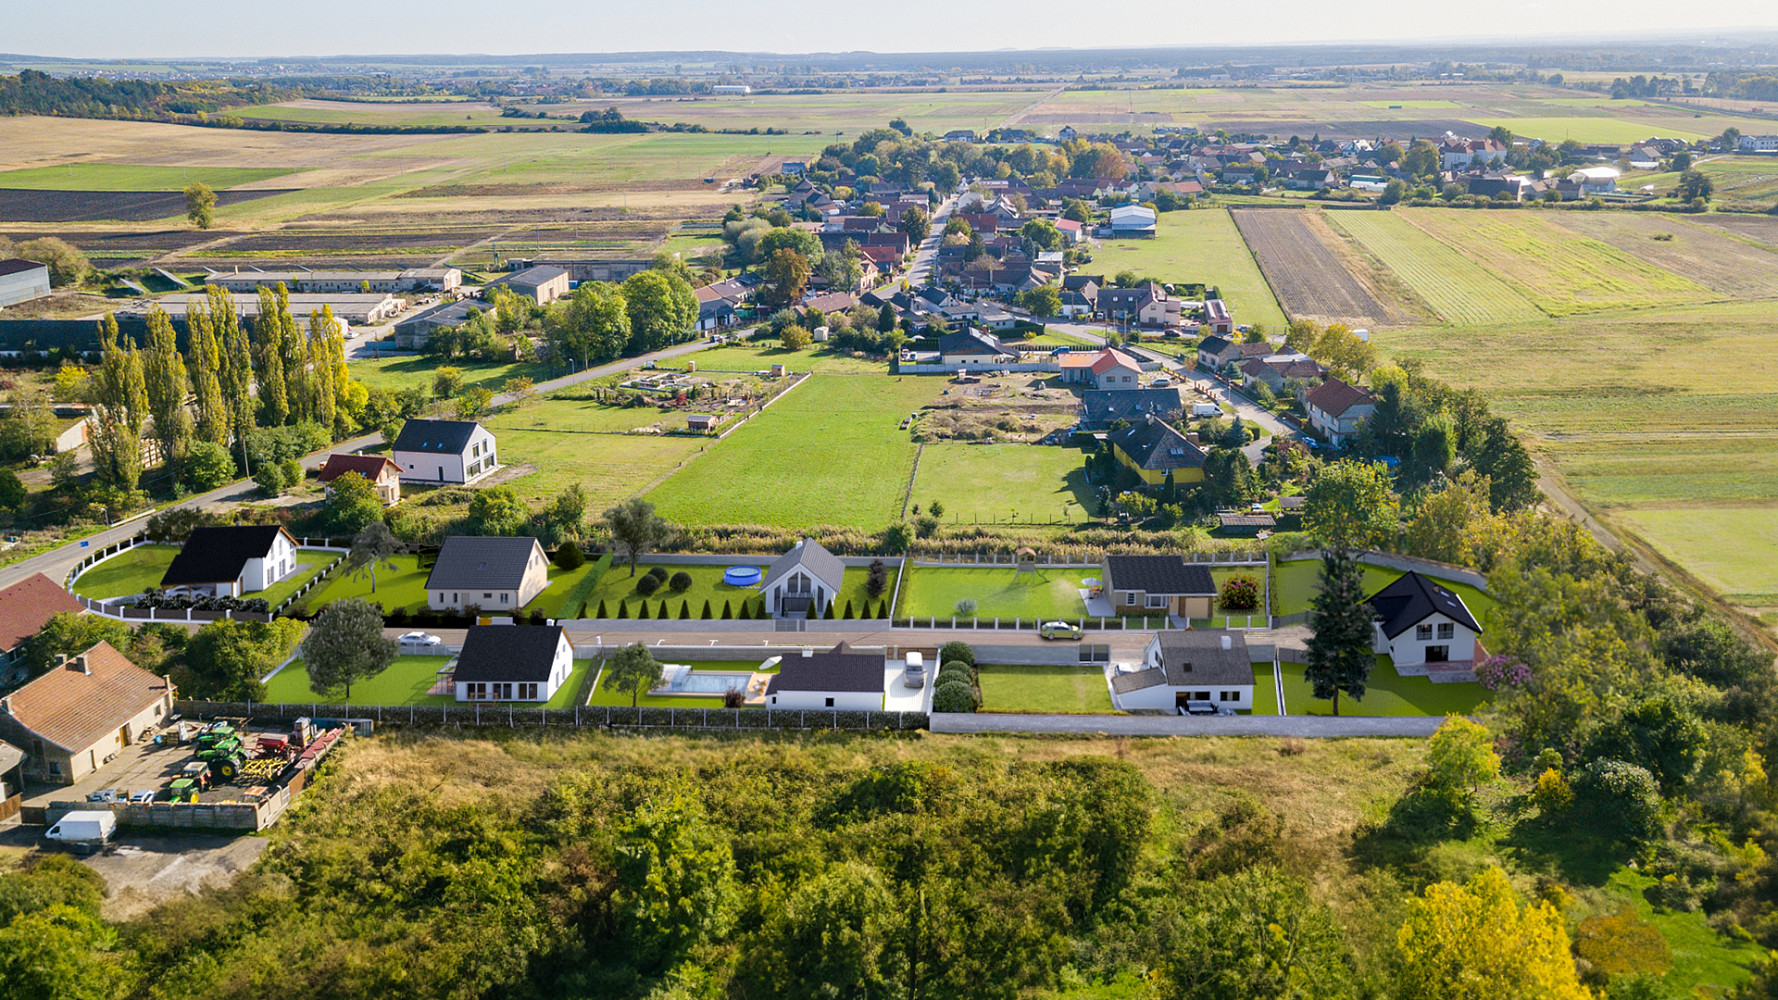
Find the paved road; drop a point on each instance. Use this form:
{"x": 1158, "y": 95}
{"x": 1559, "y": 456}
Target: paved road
{"x": 56, "y": 563}
{"x": 921, "y": 268}
{"x": 1313, "y": 726}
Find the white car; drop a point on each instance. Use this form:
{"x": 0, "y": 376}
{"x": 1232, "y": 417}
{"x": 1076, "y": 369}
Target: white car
{"x": 421, "y": 639}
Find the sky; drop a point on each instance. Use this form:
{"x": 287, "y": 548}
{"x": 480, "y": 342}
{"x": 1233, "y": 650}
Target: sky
{"x": 130, "y": 29}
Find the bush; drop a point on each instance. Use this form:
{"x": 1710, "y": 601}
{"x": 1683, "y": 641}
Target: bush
{"x": 1620, "y": 801}
{"x": 659, "y": 574}
{"x": 647, "y": 585}
{"x": 270, "y": 478}
{"x": 1240, "y": 593}
{"x": 965, "y": 608}
{"x": 953, "y": 696}
{"x": 208, "y": 466}
{"x": 957, "y": 651}
{"x": 956, "y": 669}
{"x": 569, "y": 556}
{"x": 680, "y": 582}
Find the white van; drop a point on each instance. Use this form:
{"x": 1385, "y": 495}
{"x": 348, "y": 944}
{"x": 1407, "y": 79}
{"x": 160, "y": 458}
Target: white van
{"x": 1206, "y": 410}
{"x": 84, "y": 830}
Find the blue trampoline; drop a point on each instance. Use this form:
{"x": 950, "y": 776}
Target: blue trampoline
{"x": 742, "y": 576}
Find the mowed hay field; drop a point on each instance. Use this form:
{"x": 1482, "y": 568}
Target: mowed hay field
{"x": 1713, "y": 258}
{"x": 1457, "y": 288}
{"x": 830, "y": 451}
{"x": 1201, "y": 245}
{"x": 1314, "y": 275}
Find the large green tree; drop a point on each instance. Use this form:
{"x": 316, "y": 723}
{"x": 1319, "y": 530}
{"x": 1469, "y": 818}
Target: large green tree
{"x": 633, "y": 670}
{"x": 1352, "y": 504}
{"x": 662, "y": 308}
{"x": 200, "y": 204}
{"x": 786, "y": 275}
{"x": 120, "y": 407}
{"x": 592, "y": 325}
{"x": 163, "y": 372}
{"x": 67, "y": 633}
{"x": 635, "y": 528}
{"x": 227, "y": 658}
{"x": 373, "y": 548}
{"x": 1340, "y": 654}
{"x": 346, "y": 644}
{"x": 268, "y": 355}
{"x": 214, "y": 420}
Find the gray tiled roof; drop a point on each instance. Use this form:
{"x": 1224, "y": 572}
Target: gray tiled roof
{"x": 473, "y": 562}
{"x": 1196, "y": 656}
{"x": 812, "y": 556}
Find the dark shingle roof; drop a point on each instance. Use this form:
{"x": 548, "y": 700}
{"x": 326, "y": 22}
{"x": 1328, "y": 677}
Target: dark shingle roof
{"x": 219, "y": 554}
{"x": 14, "y": 265}
{"x": 1157, "y": 446}
{"x": 1158, "y": 575}
{"x": 1100, "y": 408}
{"x": 838, "y": 669}
{"x": 1196, "y": 656}
{"x": 442, "y": 437}
{"x": 508, "y": 653}
{"x": 474, "y": 562}
{"x": 810, "y": 555}
{"x": 1409, "y": 600}
{"x": 973, "y": 342}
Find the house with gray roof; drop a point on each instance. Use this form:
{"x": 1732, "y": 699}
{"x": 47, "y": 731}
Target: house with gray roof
{"x": 1157, "y": 585}
{"x": 1182, "y": 667}
{"x": 1101, "y": 408}
{"x": 512, "y": 663}
{"x": 444, "y": 451}
{"x": 806, "y": 576}
{"x": 496, "y": 575}
{"x": 840, "y": 678}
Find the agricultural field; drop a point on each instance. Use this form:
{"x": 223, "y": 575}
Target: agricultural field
{"x": 1458, "y": 289}
{"x": 1198, "y": 246}
{"x": 1713, "y": 258}
{"x": 828, "y": 452}
{"x": 134, "y": 177}
{"x": 841, "y": 113}
{"x": 423, "y": 114}
{"x": 1762, "y": 229}
{"x": 1717, "y": 544}
{"x": 1003, "y": 483}
{"x": 1559, "y": 271}
{"x": 1301, "y": 259}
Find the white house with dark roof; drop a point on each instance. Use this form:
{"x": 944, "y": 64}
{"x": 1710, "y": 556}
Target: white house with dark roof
{"x": 498, "y": 575}
{"x": 1180, "y": 667}
{"x": 444, "y": 451}
{"x": 806, "y": 575}
{"x": 839, "y": 679}
{"x": 1424, "y": 625}
{"x": 512, "y": 663}
{"x": 974, "y": 348}
{"x": 231, "y": 560}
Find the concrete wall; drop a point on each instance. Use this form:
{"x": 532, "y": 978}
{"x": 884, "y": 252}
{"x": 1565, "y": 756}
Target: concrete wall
{"x": 1443, "y": 571}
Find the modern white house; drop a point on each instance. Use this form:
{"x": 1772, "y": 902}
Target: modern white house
{"x": 444, "y": 451}
{"x": 1421, "y": 621}
{"x": 512, "y": 663}
{"x": 838, "y": 679}
{"x": 497, "y": 575}
{"x": 808, "y": 575}
{"x": 1210, "y": 666}
{"x": 231, "y": 560}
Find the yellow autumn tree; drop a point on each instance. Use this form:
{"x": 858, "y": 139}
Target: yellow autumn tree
{"x": 1475, "y": 941}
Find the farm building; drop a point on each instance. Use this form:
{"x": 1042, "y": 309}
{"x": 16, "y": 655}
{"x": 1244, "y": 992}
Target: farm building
{"x": 381, "y": 472}
{"x": 1132, "y": 220}
{"x": 27, "y": 606}
{"x": 806, "y": 576}
{"x": 416, "y": 330}
{"x": 1443, "y": 631}
{"x": 231, "y": 560}
{"x": 1244, "y": 523}
{"x": 444, "y": 451}
{"x": 74, "y": 719}
{"x": 512, "y": 663}
{"x": 1137, "y": 585}
{"x": 348, "y": 308}
{"x": 495, "y": 574}
{"x": 837, "y": 679}
{"x": 1336, "y": 409}
{"x": 22, "y": 280}
{"x": 544, "y": 283}
{"x": 612, "y": 269}
{"x": 1184, "y": 666}
{"x": 1154, "y": 448}
{"x": 436, "y": 279}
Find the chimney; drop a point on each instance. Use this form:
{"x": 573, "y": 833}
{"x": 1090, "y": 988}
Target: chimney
{"x": 1228, "y": 642}
{"x": 85, "y": 667}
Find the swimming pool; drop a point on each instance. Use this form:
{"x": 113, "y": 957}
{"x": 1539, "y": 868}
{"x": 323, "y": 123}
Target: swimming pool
{"x": 741, "y": 576}
{"x": 710, "y": 682}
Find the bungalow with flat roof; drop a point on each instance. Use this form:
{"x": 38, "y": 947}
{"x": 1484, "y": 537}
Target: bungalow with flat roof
{"x": 1154, "y": 585}
{"x": 74, "y": 719}
{"x": 1154, "y": 448}
{"x": 840, "y": 678}
{"x": 231, "y": 560}
{"x": 512, "y": 663}
{"x": 495, "y": 574}
{"x": 1185, "y": 666}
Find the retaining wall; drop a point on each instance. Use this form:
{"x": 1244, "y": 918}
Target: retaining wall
{"x": 494, "y": 716}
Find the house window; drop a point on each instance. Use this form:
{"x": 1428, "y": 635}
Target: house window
{"x": 1200, "y": 696}
{"x": 1446, "y": 630}
{"x": 528, "y": 692}
{"x": 1228, "y": 696}
{"x": 1423, "y": 632}
{"x": 503, "y": 597}
{"x": 830, "y": 703}
{"x": 487, "y": 597}
{"x": 1157, "y": 601}
{"x": 1129, "y": 597}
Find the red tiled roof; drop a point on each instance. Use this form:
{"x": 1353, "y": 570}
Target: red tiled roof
{"x": 1111, "y": 358}
{"x": 26, "y": 606}
{"x": 1335, "y": 397}
{"x": 368, "y": 466}
{"x": 74, "y": 708}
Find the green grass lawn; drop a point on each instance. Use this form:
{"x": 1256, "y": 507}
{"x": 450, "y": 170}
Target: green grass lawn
{"x": 398, "y": 372}
{"x": 1733, "y": 549}
{"x": 405, "y": 682}
{"x": 405, "y": 587}
{"x": 1265, "y": 692}
{"x": 133, "y": 177}
{"x": 935, "y": 591}
{"x": 1387, "y": 693}
{"x": 1004, "y": 482}
{"x": 1200, "y": 246}
{"x": 1705, "y": 962}
{"x": 602, "y": 696}
{"x": 141, "y": 568}
{"x": 830, "y": 452}
{"x": 1068, "y": 689}
{"x": 1295, "y": 584}
{"x": 618, "y": 585}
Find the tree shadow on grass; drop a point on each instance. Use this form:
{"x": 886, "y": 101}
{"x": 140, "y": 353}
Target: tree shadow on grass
{"x": 1417, "y": 822}
{"x": 1568, "y": 849}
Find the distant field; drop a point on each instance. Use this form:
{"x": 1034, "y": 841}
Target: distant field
{"x": 1591, "y": 128}
{"x": 1732, "y": 548}
{"x": 1711, "y": 257}
{"x": 1421, "y": 105}
{"x": 828, "y": 452}
{"x": 432, "y": 113}
{"x": 133, "y": 177}
{"x": 1459, "y": 289}
{"x": 848, "y": 112}
{"x": 1200, "y": 246}
{"x": 1561, "y": 272}
{"x": 1003, "y": 482}
{"x": 1297, "y": 253}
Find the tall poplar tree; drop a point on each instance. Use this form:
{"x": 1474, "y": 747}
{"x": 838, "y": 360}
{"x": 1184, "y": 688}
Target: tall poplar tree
{"x": 163, "y": 373}
{"x": 202, "y": 320}
{"x": 323, "y": 330}
{"x": 294, "y": 357}
{"x": 1340, "y": 656}
{"x": 120, "y": 406}
{"x": 236, "y": 376}
{"x": 268, "y": 357}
